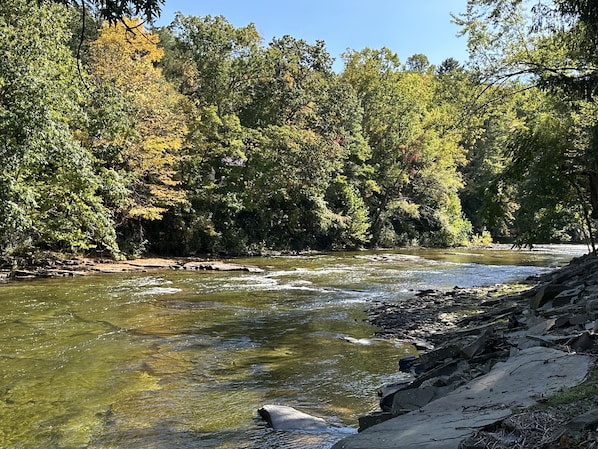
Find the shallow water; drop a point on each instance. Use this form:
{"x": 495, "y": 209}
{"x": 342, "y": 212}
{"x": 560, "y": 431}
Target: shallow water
{"x": 183, "y": 359}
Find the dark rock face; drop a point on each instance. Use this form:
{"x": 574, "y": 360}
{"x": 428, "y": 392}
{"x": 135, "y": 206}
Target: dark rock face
{"x": 471, "y": 330}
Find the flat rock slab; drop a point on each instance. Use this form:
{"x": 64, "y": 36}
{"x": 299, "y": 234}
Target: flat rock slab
{"x": 158, "y": 263}
{"x": 220, "y": 266}
{"x": 442, "y": 424}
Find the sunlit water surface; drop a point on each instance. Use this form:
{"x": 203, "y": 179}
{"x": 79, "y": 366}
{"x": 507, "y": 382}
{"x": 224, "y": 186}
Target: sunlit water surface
{"x": 182, "y": 359}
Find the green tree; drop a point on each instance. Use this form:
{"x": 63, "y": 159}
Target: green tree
{"x": 544, "y": 168}
{"x": 311, "y": 124}
{"x": 553, "y": 45}
{"x": 48, "y": 187}
{"x": 411, "y": 192}
{"x": 146, "y": 150}
{"x": 215, "y": 62}
{"x": 272, "y": 129}
{"x": 418, "y": 63}
{"x": 448, "y": 66}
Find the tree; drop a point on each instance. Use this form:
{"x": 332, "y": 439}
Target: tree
{"x": 448, "y": 66}
{"x": 551, "y": 206}
{"x": 411, "y": 193}
{"x": 115, "y": 11}
{"x": 418, "y": 63}
{"x": 146, "y": 154}
{"x": 554, "y": 45}
{"x": 215, "y": 62}
{"x": 310, "y": 122}
{"x": 49, "y": 190}
{"x": 272, "y": 128}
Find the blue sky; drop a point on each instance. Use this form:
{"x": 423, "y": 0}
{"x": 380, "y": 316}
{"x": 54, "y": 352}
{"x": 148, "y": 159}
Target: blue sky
{"x": 405, "y": 26}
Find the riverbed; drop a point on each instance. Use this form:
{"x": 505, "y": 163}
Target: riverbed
{"x": 183, "y": 359}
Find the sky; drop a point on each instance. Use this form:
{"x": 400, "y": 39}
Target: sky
{"x": 406, "y": 27}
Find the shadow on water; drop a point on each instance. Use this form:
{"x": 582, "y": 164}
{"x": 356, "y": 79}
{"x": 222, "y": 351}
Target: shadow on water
{"x": 180, "y": 359}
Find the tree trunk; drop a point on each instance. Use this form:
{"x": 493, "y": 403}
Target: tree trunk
{"x": 593, "y": 179}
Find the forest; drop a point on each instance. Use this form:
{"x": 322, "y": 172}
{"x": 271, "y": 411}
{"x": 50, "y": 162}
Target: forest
{"x": 121, "y": 139}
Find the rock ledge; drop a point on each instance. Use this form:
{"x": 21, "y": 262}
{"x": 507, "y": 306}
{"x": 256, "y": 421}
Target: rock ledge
{"x": 485, "y": 356}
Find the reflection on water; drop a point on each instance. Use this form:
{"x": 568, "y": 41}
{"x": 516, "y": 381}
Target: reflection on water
{"x": 184, "y": 359}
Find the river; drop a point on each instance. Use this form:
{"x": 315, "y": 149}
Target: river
{"x": 167, "y": 359}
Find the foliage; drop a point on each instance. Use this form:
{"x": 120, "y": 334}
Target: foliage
{"x": 266, "y": 147}
{"x": 549, "y": 174}
{"x": 115, "y": 11}
{"x": 143, "y": 146}
{"x": 215, "y": 60}
{"x": 553, "y": 44}
{"x": 415, "y": 152}
{"x": 48, "y": 186}
{"x": 200, "y": 138}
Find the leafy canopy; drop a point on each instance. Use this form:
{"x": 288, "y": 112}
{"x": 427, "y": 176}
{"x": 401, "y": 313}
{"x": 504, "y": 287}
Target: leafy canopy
{"x": 115, "y": 11}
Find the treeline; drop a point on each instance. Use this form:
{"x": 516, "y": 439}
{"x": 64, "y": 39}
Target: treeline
{"x": 200, "y": 138}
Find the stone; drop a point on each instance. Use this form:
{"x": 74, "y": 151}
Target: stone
{"x": 411, "y": 364}
{"x": 530, "y": 374}
{"x": 220, "y": 266}
{"x": 387, "y": 394}
{"x": 592, "y": 326}
{"x": 571, "y": 293}
{"x": 582, "y": 422}
{"x": 579, "y": 319}
{"x": 460, "y": 374}
{"x": 282, "y": 417}
{"x": 561, "y": 321}
{"x": 422, "y": 345}
{"x": 372, "y": 419}
{"x": 477, "y": 346}
{"x": 573, "y": 429}
{"x": 546, "y": 293}
{"x": 541, "y": 326}
{"x": 411, "y": 399}
{"x": 591, "y": 305}
{"x": 432, "y": 358}
{"x": 581, "y": 342}
{"x": 561, "y": 307}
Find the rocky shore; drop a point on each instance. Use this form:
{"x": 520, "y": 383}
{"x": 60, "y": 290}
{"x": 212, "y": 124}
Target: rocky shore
{"x": 497, "y": 368}
{"x": 80, "y": 266}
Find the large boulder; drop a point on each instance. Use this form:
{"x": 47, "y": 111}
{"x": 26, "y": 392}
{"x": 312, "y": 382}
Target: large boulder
{"x": 282, "y": 417}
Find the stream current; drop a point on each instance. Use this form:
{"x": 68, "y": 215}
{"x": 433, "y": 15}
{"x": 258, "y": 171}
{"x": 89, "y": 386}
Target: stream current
{"x": 179, "y": 359}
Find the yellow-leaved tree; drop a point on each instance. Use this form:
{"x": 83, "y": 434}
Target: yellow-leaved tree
{"x": 143, "y": 147}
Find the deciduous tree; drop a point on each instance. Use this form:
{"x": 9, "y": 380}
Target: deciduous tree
{"x": 48, "y": 186}
{"x": 412, "y": 191}
{"x": 553, "y": 45}
{"x": 123, "y": 62}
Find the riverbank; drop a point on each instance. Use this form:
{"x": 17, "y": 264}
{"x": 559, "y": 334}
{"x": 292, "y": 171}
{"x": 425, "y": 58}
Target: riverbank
{"x": 81, "y": 266}
{"x": 467, "y": 336}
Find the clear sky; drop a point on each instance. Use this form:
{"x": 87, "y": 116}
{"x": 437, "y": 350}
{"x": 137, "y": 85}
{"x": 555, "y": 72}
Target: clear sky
{"x": 404, "y": 26}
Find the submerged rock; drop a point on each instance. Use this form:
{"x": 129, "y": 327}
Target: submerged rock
{"x": 282, "y": 417}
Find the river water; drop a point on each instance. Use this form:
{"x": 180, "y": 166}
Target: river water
{"x": 177, "y": 359}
